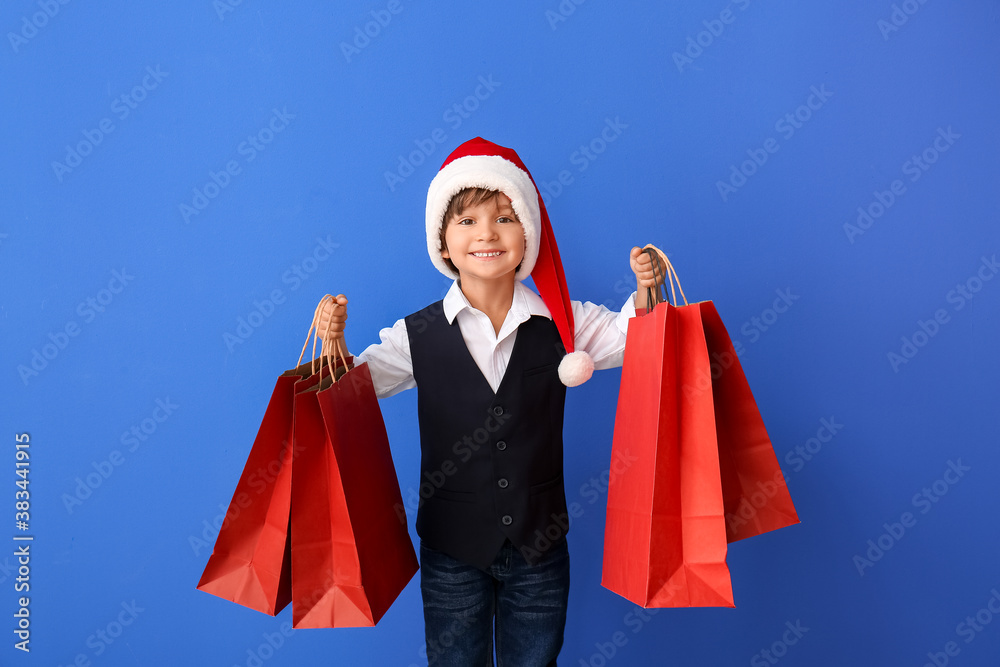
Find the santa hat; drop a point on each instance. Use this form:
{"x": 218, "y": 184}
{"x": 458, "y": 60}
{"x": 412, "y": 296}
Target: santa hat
{"x": 482, "y": 164}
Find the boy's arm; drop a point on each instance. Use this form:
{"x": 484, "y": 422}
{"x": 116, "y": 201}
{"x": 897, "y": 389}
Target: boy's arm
{"x": 601, "y": 332}
{"x": 388, "y": 361}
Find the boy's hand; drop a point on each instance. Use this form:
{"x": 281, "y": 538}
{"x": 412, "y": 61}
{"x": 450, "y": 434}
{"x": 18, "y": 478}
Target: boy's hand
{"x": 646, "y": 275}
{"x": 642, "y": 267}
{"x": 331, "y": 318}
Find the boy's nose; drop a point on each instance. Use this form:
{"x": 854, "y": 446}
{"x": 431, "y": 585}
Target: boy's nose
{"x": 488, "y": 231}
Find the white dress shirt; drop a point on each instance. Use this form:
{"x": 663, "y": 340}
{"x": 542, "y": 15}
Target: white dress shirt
{"x": 599, "y": 332}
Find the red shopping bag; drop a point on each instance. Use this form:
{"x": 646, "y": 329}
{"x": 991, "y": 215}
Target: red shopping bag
{"x": 351, "y": 552}
{"x": 754, "y": 492}
{"x": 250, "y": 562}
{"x": 697, "y": 449}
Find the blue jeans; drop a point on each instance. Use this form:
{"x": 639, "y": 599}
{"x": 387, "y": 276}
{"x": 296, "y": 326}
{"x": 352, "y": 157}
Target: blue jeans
{"x": 522, "y": 606}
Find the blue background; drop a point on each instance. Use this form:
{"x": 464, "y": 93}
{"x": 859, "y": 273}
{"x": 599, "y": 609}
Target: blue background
{"x": 559, "y": 73}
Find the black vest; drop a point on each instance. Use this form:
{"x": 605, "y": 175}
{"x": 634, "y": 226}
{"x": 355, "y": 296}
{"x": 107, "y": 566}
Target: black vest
{"x": 491, "y": 464}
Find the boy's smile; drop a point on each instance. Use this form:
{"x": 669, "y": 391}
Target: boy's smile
{"x": 485, "y": 241}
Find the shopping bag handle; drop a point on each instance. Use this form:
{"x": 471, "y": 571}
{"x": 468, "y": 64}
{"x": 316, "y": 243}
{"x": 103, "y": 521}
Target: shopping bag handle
{"x": 653, "y": 294}
{"x": 659, "y": 260}
{"x": 333, "y": 352}
{"x": 330, "y": 352}
{"x": 312, "y": 328}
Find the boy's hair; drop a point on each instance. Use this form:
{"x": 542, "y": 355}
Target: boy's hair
{"x": 461, "y": 201}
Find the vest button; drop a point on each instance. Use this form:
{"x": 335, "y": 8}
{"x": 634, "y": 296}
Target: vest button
{"x": 502, "y": 482}
{"x": 497, "y": 410}
{"x": 506, "y": 520}
{"x": 501, "y": 445}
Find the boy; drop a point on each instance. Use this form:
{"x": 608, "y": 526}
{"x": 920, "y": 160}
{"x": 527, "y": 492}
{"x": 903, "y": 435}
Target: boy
{"x": 490, "y": 407}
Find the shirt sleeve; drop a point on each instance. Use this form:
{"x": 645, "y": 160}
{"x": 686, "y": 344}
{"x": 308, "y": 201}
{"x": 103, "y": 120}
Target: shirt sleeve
{"x": 601, "y": 332}
{"x": 389, "y": 361}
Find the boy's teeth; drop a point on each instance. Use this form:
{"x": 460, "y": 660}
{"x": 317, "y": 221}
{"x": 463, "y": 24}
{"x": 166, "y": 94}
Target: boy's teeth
{"x": 487, "y": 254}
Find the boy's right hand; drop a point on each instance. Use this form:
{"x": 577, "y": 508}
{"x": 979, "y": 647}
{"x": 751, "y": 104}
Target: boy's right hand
{"x": 331, "y": 317}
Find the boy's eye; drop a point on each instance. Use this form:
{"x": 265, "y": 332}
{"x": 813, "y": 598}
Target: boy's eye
{"x": 466, "y": 221}
{"x": 504, "y": 218}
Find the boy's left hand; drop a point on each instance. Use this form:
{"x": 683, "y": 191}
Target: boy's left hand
{"x": 645, "y": 275}
{"x": 642, "y": 267}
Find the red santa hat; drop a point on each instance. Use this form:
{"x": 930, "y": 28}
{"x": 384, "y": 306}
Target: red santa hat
{"x": 482, "y": 164}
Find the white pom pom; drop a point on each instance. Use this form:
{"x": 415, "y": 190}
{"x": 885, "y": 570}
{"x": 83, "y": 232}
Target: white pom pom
{"x": 575, "y": 368}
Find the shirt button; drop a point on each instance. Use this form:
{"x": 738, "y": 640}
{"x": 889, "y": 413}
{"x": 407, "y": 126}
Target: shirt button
{"x": 497, "y": 410}
{"x": 501, "y": 445}
{"x": 507, "y": 520}
{"x": 502, "y": 483}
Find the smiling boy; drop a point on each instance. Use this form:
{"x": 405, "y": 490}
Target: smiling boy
{"x": 492, "y": 376}
{"x": 483, "y": 241}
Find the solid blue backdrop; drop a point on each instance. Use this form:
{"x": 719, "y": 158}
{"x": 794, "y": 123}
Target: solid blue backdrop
{"x": 181, "y": 183}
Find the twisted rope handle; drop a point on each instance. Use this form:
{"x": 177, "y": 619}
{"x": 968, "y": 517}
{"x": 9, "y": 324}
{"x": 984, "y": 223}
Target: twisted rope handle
{"x": 332, "y": 352}
{"x": 657, "y": 293}
{"x": 313, "y": 330}
{"x": 329, "y": 351}
{"x": 658, "y": 256}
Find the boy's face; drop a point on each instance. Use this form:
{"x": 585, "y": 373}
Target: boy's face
{"x": 485, "y": 241}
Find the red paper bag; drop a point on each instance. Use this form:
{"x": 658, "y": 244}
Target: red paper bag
{"x": 754, "y": 492}
{"x": 665, "y": 535}
{"x": 351, "y": 552}
{"x": 697, "y": 448}
{"x": 250, "y": 562}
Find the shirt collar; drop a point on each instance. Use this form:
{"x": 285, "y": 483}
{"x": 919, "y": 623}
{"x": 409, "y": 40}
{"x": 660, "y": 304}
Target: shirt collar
{"x": 524, "y": 304}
